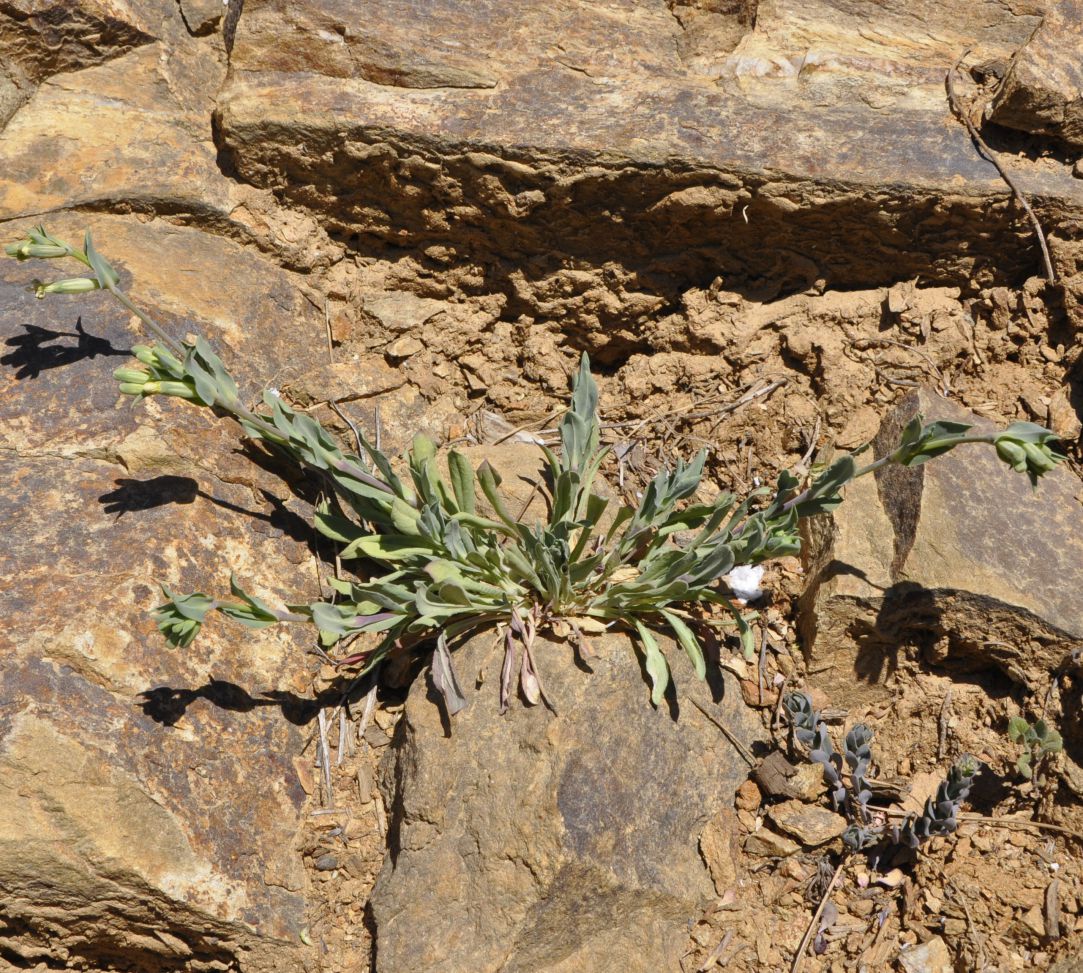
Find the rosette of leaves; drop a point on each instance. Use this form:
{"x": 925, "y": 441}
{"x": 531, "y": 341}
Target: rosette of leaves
{"x": 432, "y": 567}
{"x": 1040, "y": 742}
{"x": 941, "y": 813}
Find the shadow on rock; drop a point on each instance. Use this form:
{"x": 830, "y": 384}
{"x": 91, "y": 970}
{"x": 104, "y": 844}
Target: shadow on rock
{"x": 166, "y": 704}
{"x": 34, "y": 352}
{"x": 132, "y": 496}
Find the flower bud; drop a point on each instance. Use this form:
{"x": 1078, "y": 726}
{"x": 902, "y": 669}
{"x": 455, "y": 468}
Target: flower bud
{"x": 132, "y": 376}
{"x": 181, "y": 390}
{"x": 28, "y": 249}
{"x": 1039, "y": 458}
{"x": 145, "y": 354}
{"x": 131, "y": 388}
{"x": 1012, "y": 454}
{"x": 70, "y": 285}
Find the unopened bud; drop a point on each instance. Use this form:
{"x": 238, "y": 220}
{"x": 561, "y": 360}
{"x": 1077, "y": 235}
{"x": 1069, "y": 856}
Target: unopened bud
{"x": 133, "y": 376}
{"x": 145, "y": 354}
{"x": 1038, "y": 458}
{"x": 1012, "y": 454}
{"x": 181, "y": 390}
{"x": 27, "y": 250}
{"x": 70, "y": 285}
{"x": 132, "y": 388}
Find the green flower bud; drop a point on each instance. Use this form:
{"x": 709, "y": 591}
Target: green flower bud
{"x": 145, "y": 354}
{"x": 28, "y": 249}
{"x": 70, "y": 285}
{"x": 1012, "y": 454}
{"x": 132, "y": 388}
{"x": 182, "y": 390}
{"x": 1039, "y": 458}
{"x": 132, "y": 376}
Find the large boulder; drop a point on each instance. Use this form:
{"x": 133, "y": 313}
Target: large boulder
{"x": 149, "y": 807}
{"x": 1042, "y": 89}
{"x": 540, "y": 842}
{"x": 957, "y": 558}
{"x": 589, "y": 162}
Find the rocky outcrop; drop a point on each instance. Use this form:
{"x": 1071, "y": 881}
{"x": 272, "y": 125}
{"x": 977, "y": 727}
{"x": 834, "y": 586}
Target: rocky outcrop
{"x": 541, "y": 842}
{"x": 572, "y": 160}
{"x": 957, "y": 558}
{"x": 148, "y": 800}
{"x": 1042, "y": 89}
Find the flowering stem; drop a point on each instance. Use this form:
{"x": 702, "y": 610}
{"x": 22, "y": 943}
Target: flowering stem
{"x": 153, "y": 326}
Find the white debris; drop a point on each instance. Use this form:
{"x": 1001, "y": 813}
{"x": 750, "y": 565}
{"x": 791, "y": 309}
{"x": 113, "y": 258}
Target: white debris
{"x": 744, "y": 582}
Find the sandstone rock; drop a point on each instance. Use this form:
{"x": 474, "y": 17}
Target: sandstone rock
{"x": 148, "y": 804}
{"x": 40, "y": 39}
{"x": 929, "y": 957}
{"x": 958, "y": 558}
{"x": 616, "y": 159}
{"x": 769, "y": 844}
{"x": 1042, "y": 90}
{"x": 404, "y": 347}
{"x": 202, "y": 16}
{"x": 809, "y": 824}
{"x": 540, "y": 842}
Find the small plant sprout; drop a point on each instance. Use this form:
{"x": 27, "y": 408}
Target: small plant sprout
{"x": 1039, "y": 743}
{"x": 938, "y": 817}
{"x": 439, "y": 567}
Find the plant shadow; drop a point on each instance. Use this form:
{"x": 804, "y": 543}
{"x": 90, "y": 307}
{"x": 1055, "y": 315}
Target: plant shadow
{"x": 34, "y": 351}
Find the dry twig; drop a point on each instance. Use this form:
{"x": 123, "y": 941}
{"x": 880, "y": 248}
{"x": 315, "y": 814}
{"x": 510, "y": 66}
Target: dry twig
{"x": 960, "y": 112}
{"x": 799, "y": 959}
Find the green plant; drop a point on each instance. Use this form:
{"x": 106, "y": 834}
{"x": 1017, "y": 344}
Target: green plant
{"x": 442, "y": 568}
{"x": 1040, "y": 743}
{"x": 938, "y": 817}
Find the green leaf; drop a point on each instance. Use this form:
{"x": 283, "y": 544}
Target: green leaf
{"x": 1018, "y": 728}
{"x": 462, "y": 481}
{"x": 107, "y": 276}
{"x": 655, "y": 662}
{"x": 687, "y": 638}
{"x": 337, "y": 528}
{"x": 489, "y": 480}
{"x": 388, "y": 547}
{"x": 404, "y": 518}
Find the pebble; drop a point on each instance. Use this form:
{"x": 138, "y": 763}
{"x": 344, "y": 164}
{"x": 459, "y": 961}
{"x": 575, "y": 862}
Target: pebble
{"x": 404, "y": 347}
{"x": 930, "y": 957}
{"x": 811, "y": 825}
{"x": 326, "y": 863}
{"x": 767, "y": 844}
{"x": 748, "y": 796}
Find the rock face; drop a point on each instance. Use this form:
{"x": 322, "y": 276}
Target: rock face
{"x": 1042, "y": 89}
{"x": 957, "y": 557}
{"x": 530, "y": 842}
{"x": 588, "y": 162}
{"x": 148, "y": 802}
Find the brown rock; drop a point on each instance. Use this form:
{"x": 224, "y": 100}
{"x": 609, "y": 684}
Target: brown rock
{"x": 957, "y": 557}
{"x": 777, "y": 777}
{"x": 540, "y": 842}
{"x": 587, "y": 139}
{"x": 719, "y": 845}
{"x": 768, "y": 844}
{"x": 809, "y": 824}
{"x": 149, "y": 791}
{"x": 748, "y": 796}
{"x": 1042, "y": 90}
{"x": 929, "y": 957}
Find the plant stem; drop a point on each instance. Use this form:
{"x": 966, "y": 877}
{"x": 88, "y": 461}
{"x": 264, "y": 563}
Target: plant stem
{"x": 153, "y": 326}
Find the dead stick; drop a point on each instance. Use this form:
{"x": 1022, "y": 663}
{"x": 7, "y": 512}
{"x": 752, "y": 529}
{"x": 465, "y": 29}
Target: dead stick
{"x": 961, "y": 114}
{"x": 800, "y": 957}
{"x": 737, "y": 744}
